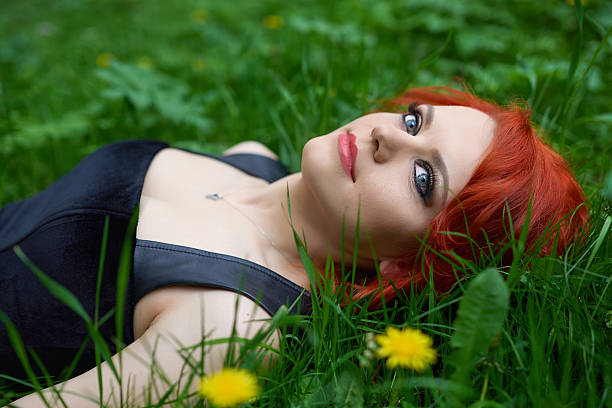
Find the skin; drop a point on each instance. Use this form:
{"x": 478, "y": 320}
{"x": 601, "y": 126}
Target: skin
{"x": 392, "y": 213}
{"x": 322, "y": 197}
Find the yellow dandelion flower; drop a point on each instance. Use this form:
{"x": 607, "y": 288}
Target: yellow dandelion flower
{"x": 406, "y": 348}
{"x": 229, "y": 387}
{"x": 104, "y": 60}
{"x": 199, "y": 16}
{"x": 198, "y": 65}
{"x": 273, "y": 22}
{"x": 145, "y": 62}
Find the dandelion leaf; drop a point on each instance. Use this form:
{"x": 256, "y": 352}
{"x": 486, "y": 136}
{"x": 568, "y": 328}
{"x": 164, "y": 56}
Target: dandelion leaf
{"x": 349, "y": 390}
{"x": 480, "y": 317}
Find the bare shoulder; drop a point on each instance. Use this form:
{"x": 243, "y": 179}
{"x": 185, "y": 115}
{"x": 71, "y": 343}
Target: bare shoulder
{"x": 163, "y": 359}
{"x": 252, "y": 147}
{"x": 199, "y": 314}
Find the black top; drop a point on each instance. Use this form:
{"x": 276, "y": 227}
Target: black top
{"x": 61, "y": 231}
{"x": 158, "y": 264}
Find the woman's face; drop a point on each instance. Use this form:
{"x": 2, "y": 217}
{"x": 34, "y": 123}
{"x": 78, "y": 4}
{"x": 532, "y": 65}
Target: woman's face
{"x": 406, "y": 169}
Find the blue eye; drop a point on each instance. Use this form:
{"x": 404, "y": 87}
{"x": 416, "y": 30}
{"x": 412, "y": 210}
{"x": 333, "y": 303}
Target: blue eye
{"x": 424, "y": 179}
{"x": 412, "y": 119}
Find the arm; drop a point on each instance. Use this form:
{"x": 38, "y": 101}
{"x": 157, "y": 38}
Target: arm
{"x": 251, "y": 147}
{"x": 151, "y": 364}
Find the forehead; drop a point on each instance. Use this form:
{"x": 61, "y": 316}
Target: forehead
{"x": 463, "y": 136}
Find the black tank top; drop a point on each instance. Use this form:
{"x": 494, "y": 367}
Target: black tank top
{"x": 60, "y": 230}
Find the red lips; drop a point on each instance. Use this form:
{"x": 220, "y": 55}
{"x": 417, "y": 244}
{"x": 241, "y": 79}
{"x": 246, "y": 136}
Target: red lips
{"x": 348, "y": 153}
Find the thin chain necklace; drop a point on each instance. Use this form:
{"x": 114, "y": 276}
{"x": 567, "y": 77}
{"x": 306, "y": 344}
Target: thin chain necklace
{"x": 219, "y": 197}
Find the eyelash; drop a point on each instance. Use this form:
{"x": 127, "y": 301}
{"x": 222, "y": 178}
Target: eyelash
{"x": 417, "y": 115}
{"x": 430, "y": 182}
{"x": 431, "y": 174}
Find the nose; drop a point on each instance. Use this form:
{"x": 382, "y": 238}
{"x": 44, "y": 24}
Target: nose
{"x": 391, "y": 141}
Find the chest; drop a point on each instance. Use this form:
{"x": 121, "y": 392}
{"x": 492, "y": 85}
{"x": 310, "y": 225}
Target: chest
{"x": 174, "y": 208}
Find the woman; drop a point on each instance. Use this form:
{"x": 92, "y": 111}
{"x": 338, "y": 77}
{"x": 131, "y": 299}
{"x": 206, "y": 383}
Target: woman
{"x": 207, "y": 230}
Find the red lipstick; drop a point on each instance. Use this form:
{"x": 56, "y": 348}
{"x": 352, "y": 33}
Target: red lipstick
{"x": 348, "y": 153}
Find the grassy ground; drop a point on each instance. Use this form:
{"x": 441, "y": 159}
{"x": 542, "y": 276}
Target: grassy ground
{"x": 75, "y": 75}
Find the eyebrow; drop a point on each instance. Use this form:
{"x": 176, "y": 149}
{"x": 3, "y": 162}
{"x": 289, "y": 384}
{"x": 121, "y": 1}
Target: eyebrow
{"x": 429, "y": 113}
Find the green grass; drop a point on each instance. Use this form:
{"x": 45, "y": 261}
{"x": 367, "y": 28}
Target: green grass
{"x": 210, "y": 78}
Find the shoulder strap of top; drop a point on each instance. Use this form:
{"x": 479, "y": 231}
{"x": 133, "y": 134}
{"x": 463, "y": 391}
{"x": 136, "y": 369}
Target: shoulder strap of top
{"x": 253, "y": 164}
{"x": 159, "y": 264}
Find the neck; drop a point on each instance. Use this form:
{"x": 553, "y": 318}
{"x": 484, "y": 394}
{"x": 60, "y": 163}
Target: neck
{"x": 269, "y": 208}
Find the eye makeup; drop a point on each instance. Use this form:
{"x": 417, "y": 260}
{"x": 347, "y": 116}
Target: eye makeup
{"x": 424, "y": 178}
{"x": 412, "y": 120}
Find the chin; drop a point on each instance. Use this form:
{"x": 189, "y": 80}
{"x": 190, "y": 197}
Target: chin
{"x": 317, "y": 160}
{"x": 322, "y": 173}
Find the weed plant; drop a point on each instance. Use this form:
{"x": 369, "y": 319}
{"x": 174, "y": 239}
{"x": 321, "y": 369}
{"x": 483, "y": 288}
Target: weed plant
{"x": 75, "y": 75}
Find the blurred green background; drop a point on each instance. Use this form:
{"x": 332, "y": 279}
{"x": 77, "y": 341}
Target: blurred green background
{"x": 76, "y": 74}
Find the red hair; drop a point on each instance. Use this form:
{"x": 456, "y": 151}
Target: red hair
{"x": 492, "y": 208}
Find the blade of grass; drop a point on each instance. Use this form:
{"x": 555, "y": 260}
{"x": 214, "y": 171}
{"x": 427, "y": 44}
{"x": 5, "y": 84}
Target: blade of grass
{"x": 97, "y": 306}
{"x": 57, "y": 290}
{"x": 518, "y": 248}
{"x": 123, "y": 277}
{"x": 45, "y": 374}
{"x": 600, "y": 240}
{"x": 19, "y": 348}
{"x": 70, "y": 300}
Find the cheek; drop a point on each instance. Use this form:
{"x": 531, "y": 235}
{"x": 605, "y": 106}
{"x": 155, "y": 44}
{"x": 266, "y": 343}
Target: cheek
{"x": 392, "y": 236}
{"x": 393, "y": 219}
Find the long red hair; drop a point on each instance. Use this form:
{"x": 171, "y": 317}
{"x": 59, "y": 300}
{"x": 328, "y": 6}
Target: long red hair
{"x": 492, "y": 208}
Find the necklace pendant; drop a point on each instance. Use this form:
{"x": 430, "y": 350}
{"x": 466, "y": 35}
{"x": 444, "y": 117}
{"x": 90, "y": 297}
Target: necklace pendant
{"x": 214, "y": 196}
